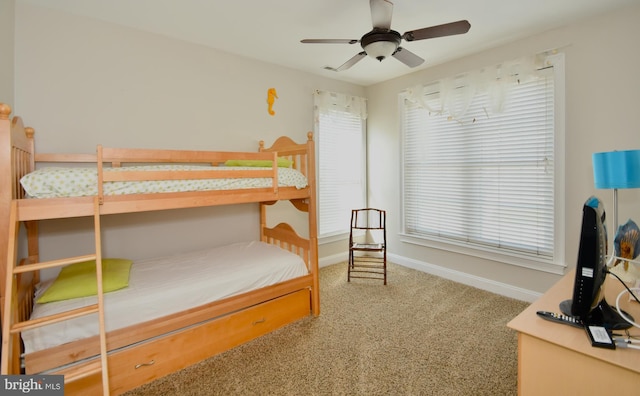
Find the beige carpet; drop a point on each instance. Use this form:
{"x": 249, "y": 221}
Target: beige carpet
{"x": 419, "y": 335}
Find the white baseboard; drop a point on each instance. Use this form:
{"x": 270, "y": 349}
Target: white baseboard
{"x": 335, "y": 259}
{"x": 492, "y": 286}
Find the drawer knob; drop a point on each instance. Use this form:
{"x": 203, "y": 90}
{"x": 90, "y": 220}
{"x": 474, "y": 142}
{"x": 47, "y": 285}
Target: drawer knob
{"x": 259, "y": 321}
{"x": 150, "y": 363}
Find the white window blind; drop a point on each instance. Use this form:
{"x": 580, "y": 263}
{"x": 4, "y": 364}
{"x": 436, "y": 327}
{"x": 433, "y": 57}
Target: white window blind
{"x": 485, "y": 179}
{"x": 341, "y": 169}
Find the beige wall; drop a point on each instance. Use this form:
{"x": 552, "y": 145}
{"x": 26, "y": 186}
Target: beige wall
{"x": 80, "y": 82}
{"x": 6, "y": 45}
{"x": 602, "y": 101}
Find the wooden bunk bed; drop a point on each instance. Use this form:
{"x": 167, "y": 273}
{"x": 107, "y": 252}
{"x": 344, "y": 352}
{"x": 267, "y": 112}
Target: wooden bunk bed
{"x": 142, "y": 352}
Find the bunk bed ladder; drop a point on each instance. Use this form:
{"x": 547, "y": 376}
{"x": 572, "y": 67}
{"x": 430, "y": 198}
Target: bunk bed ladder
{"x": 12, "y": 326}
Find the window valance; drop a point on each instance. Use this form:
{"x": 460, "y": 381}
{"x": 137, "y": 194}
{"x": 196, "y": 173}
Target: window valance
{"x": 455, "y": 94}
{"x": 325, "y": 102}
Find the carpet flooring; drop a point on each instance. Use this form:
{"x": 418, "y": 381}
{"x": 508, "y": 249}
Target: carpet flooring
{"x": 419, "y": 335}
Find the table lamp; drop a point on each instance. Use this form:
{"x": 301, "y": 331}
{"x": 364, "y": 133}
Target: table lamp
{"x": 615, "y": 170}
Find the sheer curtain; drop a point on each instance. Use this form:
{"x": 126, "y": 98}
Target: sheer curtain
{"x": 326, "y": 102}
{"x": 458, "y": 92}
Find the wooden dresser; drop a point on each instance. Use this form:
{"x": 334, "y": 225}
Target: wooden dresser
{"x": 557, "y": 359}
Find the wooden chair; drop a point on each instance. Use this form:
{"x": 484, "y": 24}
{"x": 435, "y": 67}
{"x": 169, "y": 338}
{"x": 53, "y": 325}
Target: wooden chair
{"x": 368, "y": 245}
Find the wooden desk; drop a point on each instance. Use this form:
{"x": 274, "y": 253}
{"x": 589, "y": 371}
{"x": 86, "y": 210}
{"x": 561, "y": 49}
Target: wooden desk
{"x": 556, "y": 359}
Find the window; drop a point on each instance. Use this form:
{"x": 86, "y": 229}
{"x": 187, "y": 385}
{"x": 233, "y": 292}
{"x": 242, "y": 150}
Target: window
{"x": 340, "y": 131}
{"x": 479, "y": 163}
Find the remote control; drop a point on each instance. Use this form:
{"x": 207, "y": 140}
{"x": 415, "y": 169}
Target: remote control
{"x": 561, "y": 318}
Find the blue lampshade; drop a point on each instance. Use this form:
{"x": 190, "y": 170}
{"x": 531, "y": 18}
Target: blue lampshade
{"x": 617, "y": 169}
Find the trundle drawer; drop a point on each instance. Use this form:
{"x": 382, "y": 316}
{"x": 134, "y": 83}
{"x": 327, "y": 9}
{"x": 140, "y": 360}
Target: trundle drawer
{"x": 151, "y": 360}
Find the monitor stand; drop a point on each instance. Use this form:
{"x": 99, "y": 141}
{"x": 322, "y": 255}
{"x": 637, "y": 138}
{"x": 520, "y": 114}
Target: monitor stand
{"x": 602, "y": 315}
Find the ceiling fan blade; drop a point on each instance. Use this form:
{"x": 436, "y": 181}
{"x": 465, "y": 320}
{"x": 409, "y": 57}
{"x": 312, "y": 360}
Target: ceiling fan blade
{"x": 381, "y": 12}
{"x": 355, "y": 59}
{"x": 448, "y": 29}
{"x": 407, "y": 57}
{"x": 329, "y": 41}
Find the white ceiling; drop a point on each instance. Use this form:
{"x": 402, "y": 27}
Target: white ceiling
{"x": 271, "y": 30}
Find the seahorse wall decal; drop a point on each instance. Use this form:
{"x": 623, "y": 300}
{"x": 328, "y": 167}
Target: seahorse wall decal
{"x": 272, "y": 95}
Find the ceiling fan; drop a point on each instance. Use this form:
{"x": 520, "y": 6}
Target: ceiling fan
{"x": 382, "y": 42}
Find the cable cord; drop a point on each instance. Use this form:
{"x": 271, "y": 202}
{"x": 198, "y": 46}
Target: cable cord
{"x": 625, "y": 317}
{"x": 625, "y": 286}
{"x": 625, "y": 343}
{"x": 631, "y": 292}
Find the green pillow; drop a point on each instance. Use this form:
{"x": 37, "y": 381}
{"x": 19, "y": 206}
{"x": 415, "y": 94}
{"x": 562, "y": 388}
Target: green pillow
{"x": 79, "y": 280}
{"x": 282, "y": 162}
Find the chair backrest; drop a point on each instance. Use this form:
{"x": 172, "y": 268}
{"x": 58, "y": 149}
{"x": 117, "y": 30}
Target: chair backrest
{"x": 369, "y": 219}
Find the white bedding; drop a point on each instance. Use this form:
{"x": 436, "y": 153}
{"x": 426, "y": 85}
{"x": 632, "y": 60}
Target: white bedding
{"x": 162, "y": 286}
{"x": 54, "y": 182}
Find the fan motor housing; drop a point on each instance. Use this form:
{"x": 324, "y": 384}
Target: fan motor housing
{"x": 381, "y": 35}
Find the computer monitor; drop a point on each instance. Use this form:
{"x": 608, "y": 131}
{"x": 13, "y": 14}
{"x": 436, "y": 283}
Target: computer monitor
{"x": 589, "y": 303}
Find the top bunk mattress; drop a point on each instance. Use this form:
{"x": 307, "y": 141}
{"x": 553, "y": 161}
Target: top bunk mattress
{"x": 58, "y": 182}
{"x": 166, "y": 285}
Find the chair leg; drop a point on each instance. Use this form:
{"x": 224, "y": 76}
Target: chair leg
{"x": 384, "y": 265}
{"x": 385, "y": 271}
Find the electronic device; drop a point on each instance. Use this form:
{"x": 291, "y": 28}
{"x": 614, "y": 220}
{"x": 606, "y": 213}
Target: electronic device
{"x": 561, "y": 318}
{"x": 588, "y": 303}
{"x": 600, "y": 337}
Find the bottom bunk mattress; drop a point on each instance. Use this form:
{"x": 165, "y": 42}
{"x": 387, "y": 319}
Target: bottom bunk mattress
{"x": 163, "y": 286}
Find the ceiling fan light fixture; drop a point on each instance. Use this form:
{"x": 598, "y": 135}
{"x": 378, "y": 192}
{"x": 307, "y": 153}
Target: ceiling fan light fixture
{"x": 380, "y": 44}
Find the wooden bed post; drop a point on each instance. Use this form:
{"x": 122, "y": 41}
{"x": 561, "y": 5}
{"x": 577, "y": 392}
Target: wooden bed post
{"x": 5, "y": 192}
{"x": 16, "y": 155}
{"x": 16, "y": 159}
{"x": 313, "y": 223}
